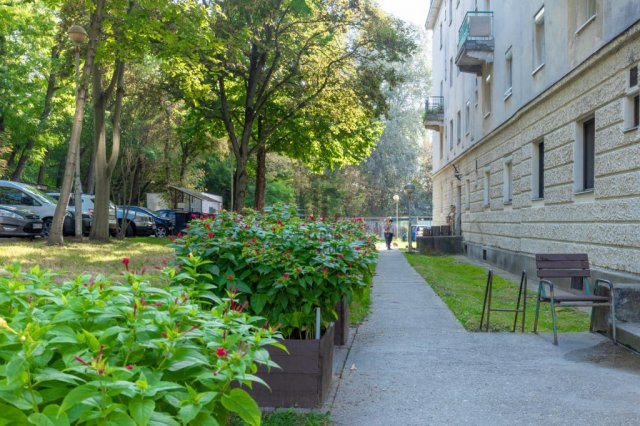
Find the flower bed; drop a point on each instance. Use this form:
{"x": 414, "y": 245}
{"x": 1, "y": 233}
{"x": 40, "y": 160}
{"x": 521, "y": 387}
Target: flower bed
{"x": 283, "y": 267}
{"x": 93, "y": 350}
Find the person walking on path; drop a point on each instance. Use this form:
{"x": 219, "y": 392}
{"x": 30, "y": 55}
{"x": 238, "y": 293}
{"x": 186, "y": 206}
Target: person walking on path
{"x": 388, "y": 232}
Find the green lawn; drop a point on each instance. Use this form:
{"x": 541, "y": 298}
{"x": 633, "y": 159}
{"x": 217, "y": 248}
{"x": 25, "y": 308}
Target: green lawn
{"x": 359, "y": 307}
{"x": 462, "y": 286}
{"x": 289, "y": 418}
{"x": 75, "y": 258}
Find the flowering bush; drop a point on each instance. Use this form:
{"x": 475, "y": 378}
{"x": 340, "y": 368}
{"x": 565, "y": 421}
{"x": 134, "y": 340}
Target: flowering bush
{"x": 283, "y": 267}
{"x": 95, "y": 351}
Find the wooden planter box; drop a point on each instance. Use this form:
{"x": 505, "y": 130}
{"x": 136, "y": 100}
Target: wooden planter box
{"x": 304, "y": 377}
{"x": 342, "y": 324}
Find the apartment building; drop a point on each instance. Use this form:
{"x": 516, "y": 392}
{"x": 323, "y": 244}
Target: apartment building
{"x": 535, "y": 116}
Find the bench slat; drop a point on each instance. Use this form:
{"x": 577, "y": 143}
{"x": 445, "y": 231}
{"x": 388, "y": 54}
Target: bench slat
{"x": 562, "y": 256}
{"x": 562, "y": 264}
{"x": 563, "y": 273}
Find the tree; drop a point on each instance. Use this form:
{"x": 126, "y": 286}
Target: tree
{"x": 281, "y": 55}
{"x": 95, "y": 29}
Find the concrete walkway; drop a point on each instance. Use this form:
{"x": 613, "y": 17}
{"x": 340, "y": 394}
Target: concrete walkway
{"x": 412, "y": 363}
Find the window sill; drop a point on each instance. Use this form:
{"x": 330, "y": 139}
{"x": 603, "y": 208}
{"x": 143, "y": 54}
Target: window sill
{"x": 585, "y": 196}
{"x": 632, "y": 91}
{"x": 508, "y": 93}
{"x": 631, "y": 129}
{"x": 587, "y": 22}
{"x": 537, "y": 202}
{"x": 487, "y": 115}
{"x": 535, "y": 71}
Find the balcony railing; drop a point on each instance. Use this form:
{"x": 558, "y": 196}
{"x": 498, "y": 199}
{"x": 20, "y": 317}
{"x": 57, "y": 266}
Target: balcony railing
{"x": 477, "y": 25}
{"x": 475, "y": 42}
{"x": 434, "y": 112}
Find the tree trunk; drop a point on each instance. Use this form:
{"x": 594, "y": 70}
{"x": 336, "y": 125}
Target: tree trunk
{"x": 42, "y": 168}
{"x": 55, "y": 234}
{"x": 105, "y": 166}
{"x": 90, "y": 179}
{"x": 17, "y": 173}
{"x": 240, "y": 181}
{"x": 167, "y": 148}
{"x": 261, "y": 176}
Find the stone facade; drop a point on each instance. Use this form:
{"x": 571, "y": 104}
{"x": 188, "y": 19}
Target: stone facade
{"x": 603, "y": 222}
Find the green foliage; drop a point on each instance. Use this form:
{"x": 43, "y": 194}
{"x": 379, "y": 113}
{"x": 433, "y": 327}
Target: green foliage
{"x": 281, "y": 267}
{"x": 462, "y": 285}
{"x": 289, "y": 418}
{"x": 96, "y": 351}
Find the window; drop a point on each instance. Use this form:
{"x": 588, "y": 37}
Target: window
{"x": 475, "y": 90}
{"x": 486, "y": 92}
{"x": 508, "y": 73}
{"x": 507, "y": 188}
{"x": 589, "y": 135}
{"x": 441, "y": 198}
{"x": 636, "y": 111}
{"x": 487, "y": 179}
{"x": 450, "y": 72}
{"x": 450, "y": 12}
{"x": 585, "y": 13}
{"x": 537, "y": 172}
{"x": 538, "y": 40}
{"x": 450, "y": 134}
{"x": 633, "y": 76}
{"x": 584, "y": 156}
{"x": 467, "y": 118}
{"x": 459, "y": 127}
{"x": 468, "y": 194}
{"x": 632, "y": 101}
{"x": 441, "y": 145}
{"x": 440, "y": 35}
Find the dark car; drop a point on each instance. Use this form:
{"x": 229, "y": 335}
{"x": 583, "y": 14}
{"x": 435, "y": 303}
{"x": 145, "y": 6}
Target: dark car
{"x": 180, "y": 219}
{"x": 138, "y": 223}
{"x": 167, "y": 214}
{"x": 17, "y": 222}
{"x": 164, "y": 226}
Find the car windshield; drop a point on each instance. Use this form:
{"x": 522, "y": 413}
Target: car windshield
{"x": 147, "y": 211}
{"x": 41, "y": 196}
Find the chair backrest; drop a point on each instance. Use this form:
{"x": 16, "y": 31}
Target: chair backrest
{"x": 562, "y": 265}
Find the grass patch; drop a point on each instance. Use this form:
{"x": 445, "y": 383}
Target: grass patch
{"x": 462, "y": 286}
{"x": 75, "y": 258}
{"x": 360, "y": 306}
{"x": 289, "y": 418}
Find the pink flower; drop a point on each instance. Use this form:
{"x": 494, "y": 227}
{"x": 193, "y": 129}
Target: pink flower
{"x": 210, "y": 234}
{"x": 193, "y": 216}
{"x": 357, "y": 247}
{"x": 125, "y": 262}
{"x": 129, "y": 367}
{"x": 285, "y": 276}
{"x": 221, "y": 352}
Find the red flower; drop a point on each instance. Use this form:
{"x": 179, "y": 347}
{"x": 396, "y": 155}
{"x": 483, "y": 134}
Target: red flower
{"x": 193, "y": 216}
{"x": 221, "y": 352}
{"x": 81, "y": 361}
{"x": 341, "y": 256}
{"x": 210, "y": 234}
{"x": 125, "y": 262}
{"x": 230, "y": 277}
{"x": 357, "y": 247}
{"x": 285, "y": 276}
{"x": 129, "y": 367}
{"x": 100, "y": 370}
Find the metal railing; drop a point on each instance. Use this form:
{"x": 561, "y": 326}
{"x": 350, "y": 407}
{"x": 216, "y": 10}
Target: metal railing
{"x": 477, "y": 25}
{"x": 434, "y": 105}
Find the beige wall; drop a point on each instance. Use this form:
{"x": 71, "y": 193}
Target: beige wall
{"x": 604, "y": 223}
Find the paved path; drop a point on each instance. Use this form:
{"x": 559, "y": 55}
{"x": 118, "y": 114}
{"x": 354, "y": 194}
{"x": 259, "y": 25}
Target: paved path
{"x": 412, "y": 363}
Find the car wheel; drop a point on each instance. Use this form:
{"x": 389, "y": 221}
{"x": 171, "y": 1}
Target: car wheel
{"x": 46, "y": 227}
{"x": 161, "y": 232}
{"x": 131, "y": 232}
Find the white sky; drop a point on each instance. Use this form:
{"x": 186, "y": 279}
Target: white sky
{"x": 414, "y": 11}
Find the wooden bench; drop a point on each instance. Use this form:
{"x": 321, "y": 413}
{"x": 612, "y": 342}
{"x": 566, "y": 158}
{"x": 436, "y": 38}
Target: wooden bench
{"x": 576, "y": 267}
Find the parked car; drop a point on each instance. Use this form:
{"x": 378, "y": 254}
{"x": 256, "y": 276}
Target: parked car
{"x": 138, "y": 223}
{"x": 23, "y": 195}
{"x": 19, "y": 222}
{"x": 167, "y": 214}
{"x": 164, "y": 226}
{"x": 88, "y": 210}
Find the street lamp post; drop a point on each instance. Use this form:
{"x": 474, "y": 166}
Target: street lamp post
{"x": 78, "y": 36}
{"x": 409, "y": 189}
{"x": 396, "y": 198}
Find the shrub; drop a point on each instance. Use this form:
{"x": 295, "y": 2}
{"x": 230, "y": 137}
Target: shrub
{"x": 97, "y": 351}
{"x": 283, "y": 267}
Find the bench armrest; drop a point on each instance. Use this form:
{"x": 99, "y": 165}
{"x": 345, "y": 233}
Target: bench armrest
{"x": 607, "y": 282}
{"x": 541, "y": 291}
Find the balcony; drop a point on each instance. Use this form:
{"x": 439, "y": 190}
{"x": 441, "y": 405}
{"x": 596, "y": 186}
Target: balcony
{"x": 434, "y": 113}
{"x": 475, "y": 42}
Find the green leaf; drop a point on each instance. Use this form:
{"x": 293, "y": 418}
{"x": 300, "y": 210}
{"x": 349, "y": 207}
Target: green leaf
{"x": 141, "y": 410}
{"x": 163, "y": 419}
{"x": 238, "y": 401}
{"x": 189, "y": 412}
{"x": 40, "y": 419}
{"x": 14, "y": 369}
{"x": 120, "y": 419}
{"x": 204, "y": 419}
{"x": 50, "y": 374}
{"x": 76, "y": 396}
{"x": 11, "y": 415}
{"x": 258, "y": 301}
{"x": 51, "y": 411}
